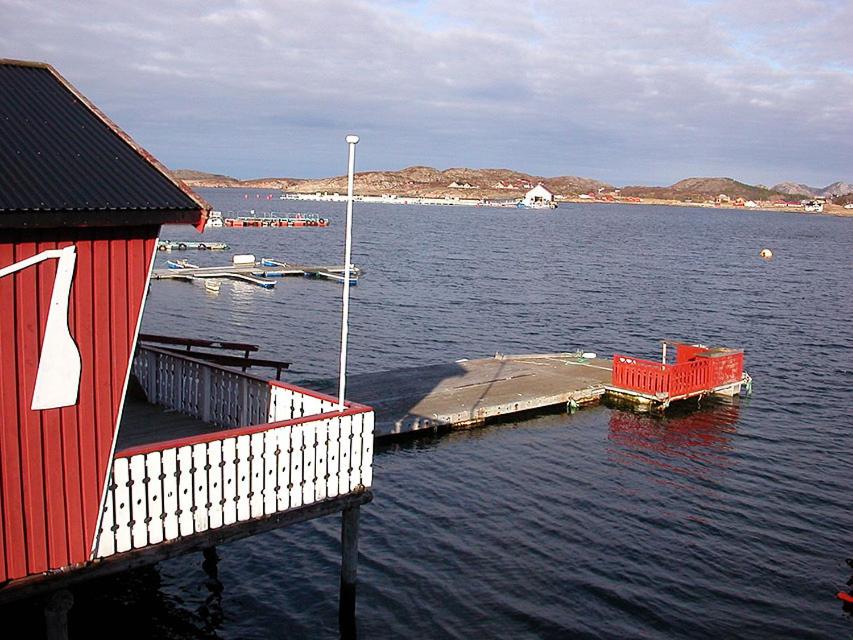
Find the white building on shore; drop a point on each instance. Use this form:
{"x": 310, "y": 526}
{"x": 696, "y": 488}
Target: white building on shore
{"x": 538, "y": 197}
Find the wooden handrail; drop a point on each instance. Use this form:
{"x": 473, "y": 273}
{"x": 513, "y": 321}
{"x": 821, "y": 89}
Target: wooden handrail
{"x": 228, "y": 360}
{"x": 198, "y": 342}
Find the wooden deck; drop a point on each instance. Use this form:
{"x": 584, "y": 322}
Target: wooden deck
{"x": 469, "y": 392}
{"x": 144, "y": 423}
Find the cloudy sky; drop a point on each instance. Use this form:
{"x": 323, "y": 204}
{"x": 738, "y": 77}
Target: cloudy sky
{"x": 624, "y": 91}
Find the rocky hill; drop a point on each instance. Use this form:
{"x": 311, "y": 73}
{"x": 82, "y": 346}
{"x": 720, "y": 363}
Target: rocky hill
{"x": 794, "y": 188}
{"x": 203, "y": 179}
{"x": 834, "y": 189}
{"x": 703, "y": 188}
{"x": 837, "y": 189}
{"x": 412, "y": 181}
{"x": 464, "y": 183}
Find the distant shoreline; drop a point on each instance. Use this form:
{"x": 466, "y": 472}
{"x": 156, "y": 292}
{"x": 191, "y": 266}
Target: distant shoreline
{"x": 419, "y": 182}
{"x": 415, "y": 200}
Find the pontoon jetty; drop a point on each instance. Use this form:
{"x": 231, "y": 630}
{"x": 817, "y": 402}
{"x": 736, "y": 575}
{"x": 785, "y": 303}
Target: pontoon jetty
{"x": 262, "y": 273}
{"x": 469, "y": 393}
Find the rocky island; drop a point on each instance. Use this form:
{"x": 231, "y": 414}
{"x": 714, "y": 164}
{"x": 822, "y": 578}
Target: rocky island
{"x": 496, "y": 185}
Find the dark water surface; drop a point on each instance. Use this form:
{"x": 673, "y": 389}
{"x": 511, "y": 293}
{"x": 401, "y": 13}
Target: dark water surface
{"x": 731, "y": 521}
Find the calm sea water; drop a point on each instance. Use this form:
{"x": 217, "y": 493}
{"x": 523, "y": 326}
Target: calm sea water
{"x": 730, "y": 521}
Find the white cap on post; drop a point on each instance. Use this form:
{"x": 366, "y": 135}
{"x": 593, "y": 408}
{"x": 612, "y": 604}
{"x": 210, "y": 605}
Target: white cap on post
{"x": 351, "y": 139}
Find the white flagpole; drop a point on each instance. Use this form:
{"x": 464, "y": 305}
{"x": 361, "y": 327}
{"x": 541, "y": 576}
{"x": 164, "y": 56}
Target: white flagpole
{"x": 351, "y": 141}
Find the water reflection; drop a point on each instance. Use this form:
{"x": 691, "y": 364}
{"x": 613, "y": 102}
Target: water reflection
{"x": 244, "y": 294}
{"x": 210, "y": 612}
{"x": 846, "y": 597}
{"x": 686, "y": 441}
{"x": 137, "y": 596}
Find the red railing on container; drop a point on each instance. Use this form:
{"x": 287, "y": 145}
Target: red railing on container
{"x": 674, "y": 380}
{"x": 639, "y": 375}
{"x": 726, "y": 369}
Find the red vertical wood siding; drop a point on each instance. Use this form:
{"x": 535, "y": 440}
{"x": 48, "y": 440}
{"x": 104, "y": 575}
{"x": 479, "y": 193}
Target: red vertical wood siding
{"x": 14, "y": 562}
{"x": 53, "y": 463}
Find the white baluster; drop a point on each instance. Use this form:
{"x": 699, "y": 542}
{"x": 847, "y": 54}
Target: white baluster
{"x": 138, "y": 502}
{"x": 155, "y": 497}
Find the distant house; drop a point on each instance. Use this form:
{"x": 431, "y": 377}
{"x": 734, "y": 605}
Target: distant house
{"x": 815, "y": 205}
{"x": 461, "y": 185}
{"x": 537, "y": 196}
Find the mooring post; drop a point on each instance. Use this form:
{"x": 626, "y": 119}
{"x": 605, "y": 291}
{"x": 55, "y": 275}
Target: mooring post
{"x": 56, "y": 614}
{"x": 349, "y": 569}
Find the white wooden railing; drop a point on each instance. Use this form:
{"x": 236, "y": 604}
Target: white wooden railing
{"x": 209, "y": 392}
{"x": 288, "y": 402}
{"x": 304, "y": 451}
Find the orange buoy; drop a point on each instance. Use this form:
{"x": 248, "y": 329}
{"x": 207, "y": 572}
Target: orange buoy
{"x": 846, "y": 597}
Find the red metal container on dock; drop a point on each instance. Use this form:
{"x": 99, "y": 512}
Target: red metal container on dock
{"x": 697, "y": 369}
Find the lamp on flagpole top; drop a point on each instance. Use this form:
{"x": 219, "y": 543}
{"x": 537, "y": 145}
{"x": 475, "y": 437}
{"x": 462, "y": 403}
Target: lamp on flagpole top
{"x": 352, "y": 140}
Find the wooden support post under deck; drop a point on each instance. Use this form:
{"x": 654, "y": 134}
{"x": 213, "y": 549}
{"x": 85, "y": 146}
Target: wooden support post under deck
{"x": 349, "y": 569}
{"x": 56, "y": 614}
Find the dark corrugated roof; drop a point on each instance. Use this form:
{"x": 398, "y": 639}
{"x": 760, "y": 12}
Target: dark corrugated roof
{"x": 63, "y": 160}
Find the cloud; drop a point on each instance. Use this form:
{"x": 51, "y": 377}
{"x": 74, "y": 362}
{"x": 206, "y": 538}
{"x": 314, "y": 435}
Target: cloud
{"x": 625, "y": 92}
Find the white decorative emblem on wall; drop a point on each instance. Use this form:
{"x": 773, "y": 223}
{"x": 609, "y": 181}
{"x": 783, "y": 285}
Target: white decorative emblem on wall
{"x": 58, "y": 377}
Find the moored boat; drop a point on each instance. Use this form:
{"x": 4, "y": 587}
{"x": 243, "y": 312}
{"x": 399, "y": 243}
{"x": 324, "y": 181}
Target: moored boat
{"x": 214, "y": 220}
{"x": 180, "y": 264}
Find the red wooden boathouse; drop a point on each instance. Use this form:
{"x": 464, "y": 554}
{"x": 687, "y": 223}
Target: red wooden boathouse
{"x": 80, "y": 210}
{"x": 81, "y": 207}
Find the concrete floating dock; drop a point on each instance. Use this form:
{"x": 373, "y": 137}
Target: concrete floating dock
{"x": 469, "y": 392}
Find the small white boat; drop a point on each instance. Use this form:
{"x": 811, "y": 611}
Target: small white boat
{"x": 212, "y": 285}
{"x": 214, "y": 220}
{"x": 180, "y": 264}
